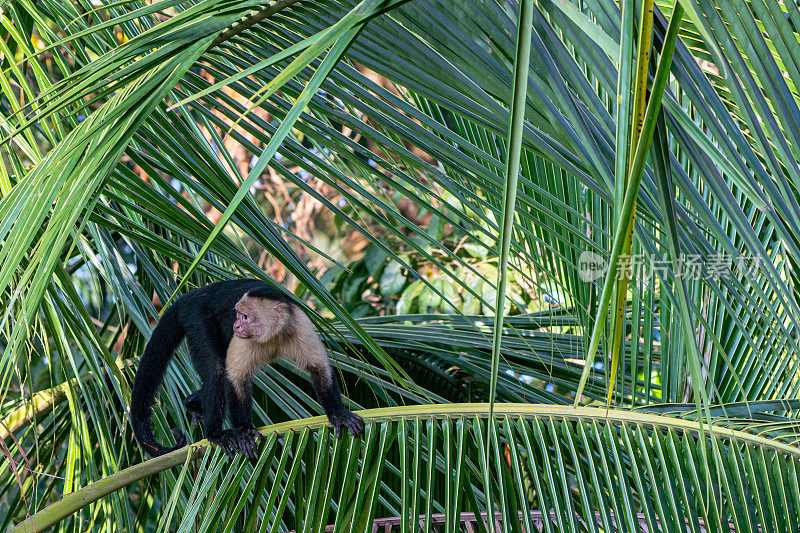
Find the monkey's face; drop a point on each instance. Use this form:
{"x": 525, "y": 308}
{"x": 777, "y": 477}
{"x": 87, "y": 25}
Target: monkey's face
{"x": 248, "y": 323}
{"x": 260, "y": 319}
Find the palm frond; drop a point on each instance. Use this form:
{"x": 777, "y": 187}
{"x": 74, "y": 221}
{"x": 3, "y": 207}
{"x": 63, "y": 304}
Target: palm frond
{"x": 580, "y": 468}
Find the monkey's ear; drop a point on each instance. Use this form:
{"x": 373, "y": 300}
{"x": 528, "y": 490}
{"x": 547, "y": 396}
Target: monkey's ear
{"x": 284, "y": 312}
{"x": 276, "y": 315}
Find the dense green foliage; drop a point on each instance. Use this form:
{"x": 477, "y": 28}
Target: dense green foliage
{"x": 149, "y": 147}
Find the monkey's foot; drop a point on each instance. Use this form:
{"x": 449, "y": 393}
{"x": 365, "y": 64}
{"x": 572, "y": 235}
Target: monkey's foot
{"x": 180, "y": 438}
{"x": 351, "y": 421}
{"x": 194, "y": 408}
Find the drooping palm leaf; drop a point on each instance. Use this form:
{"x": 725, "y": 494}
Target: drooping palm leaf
{"x": 581, "y": 469}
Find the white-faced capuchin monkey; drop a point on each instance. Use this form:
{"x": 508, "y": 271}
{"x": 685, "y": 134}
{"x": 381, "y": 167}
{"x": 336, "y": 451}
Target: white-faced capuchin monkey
{"x": 233, "y": 328}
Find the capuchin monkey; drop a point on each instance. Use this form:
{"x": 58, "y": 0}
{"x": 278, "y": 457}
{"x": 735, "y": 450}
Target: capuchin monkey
{"x": 233, "y": 328}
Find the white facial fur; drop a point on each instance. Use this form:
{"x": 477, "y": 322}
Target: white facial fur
{"x": 267, "y": 329}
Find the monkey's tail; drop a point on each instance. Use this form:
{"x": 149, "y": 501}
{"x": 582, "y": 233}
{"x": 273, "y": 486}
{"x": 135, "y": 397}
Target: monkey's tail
{"x": 162, "y": 344}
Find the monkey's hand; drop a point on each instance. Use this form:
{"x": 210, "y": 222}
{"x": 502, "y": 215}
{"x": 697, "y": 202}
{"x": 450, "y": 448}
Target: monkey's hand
{"x": 225, "y": 439}
{"x": 248, "y": 440}
{"x": 238, "y": 440}
{"x": 351, "y": 421}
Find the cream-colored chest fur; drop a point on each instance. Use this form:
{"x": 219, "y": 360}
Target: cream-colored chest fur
{"x": 297, "y": 342}
{"x": 245, "y": 357}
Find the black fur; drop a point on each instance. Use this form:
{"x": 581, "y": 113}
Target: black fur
{"x": 205, "y": 317}
{"x": 165, "y": 339}
{"x": 330, "y": 398}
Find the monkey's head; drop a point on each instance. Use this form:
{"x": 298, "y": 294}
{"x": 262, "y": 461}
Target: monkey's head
{"x": 260, "y": 319}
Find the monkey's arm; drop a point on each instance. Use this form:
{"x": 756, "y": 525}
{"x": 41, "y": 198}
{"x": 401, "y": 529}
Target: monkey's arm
{"x": 208, "y": 358}
{"x": 240, "y": 404}
{"x": 306, "y": 351}
{"x": 328, "y": 395}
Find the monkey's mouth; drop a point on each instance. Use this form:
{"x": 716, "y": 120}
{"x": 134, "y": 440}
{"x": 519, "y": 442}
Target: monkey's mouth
{"x": 241, "y": 335}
